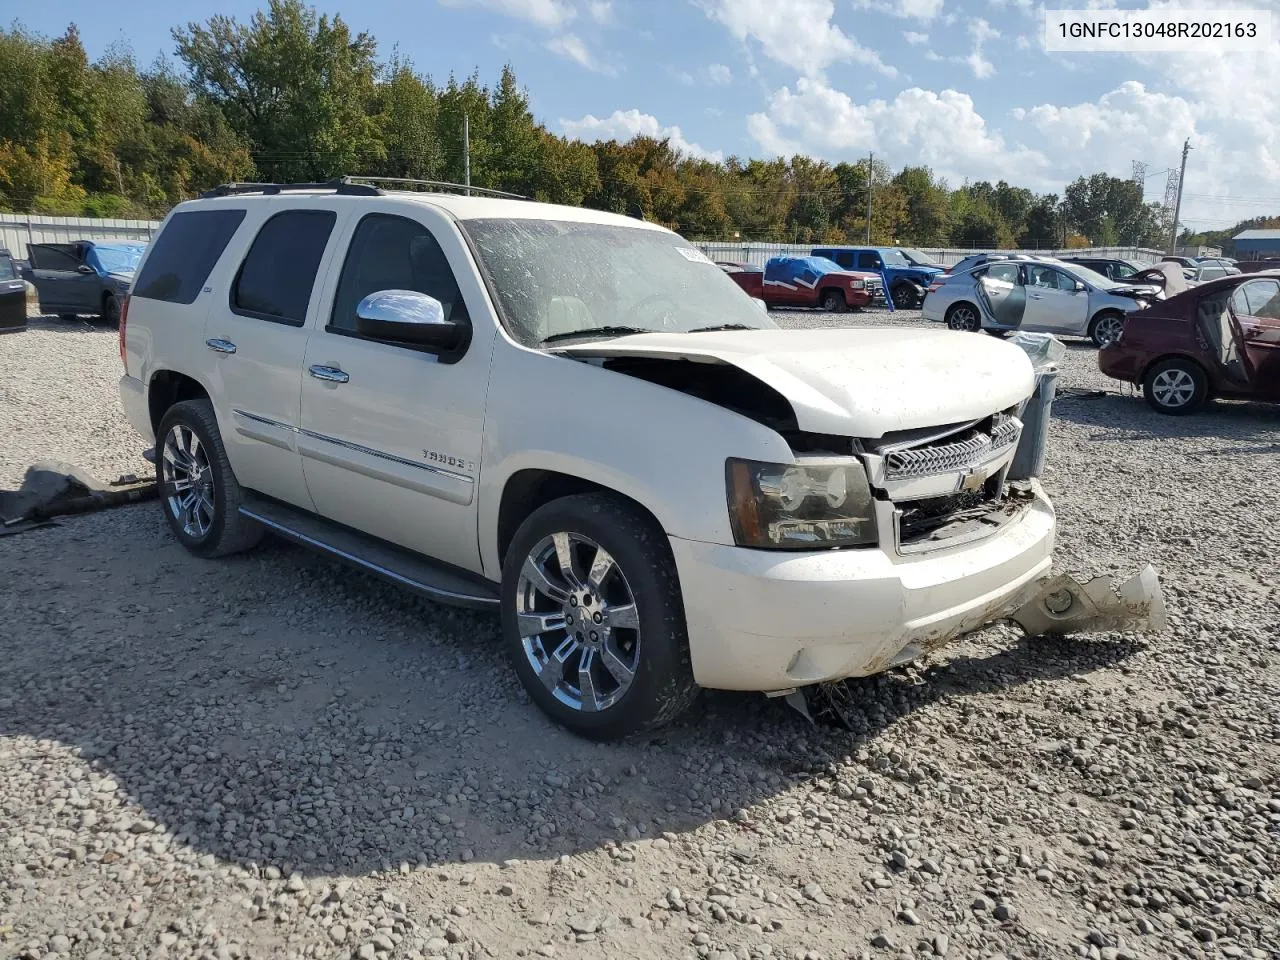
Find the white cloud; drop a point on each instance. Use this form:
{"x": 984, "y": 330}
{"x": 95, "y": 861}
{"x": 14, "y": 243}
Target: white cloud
{"x": 544, "y": 13}
{"x": 980, "y": 65}
{"x": 625, "y": 124}
{"x": 981, "y": 31}
{"x": 601, "y": 11}
{"x": 942, "y": 130}
{"x": 913, "y": 9}
{"x": 915, "y": 39}
{"x": 797, "y": 33}
{"x": 571, "y": 47}
{"x": 718, "y": 75}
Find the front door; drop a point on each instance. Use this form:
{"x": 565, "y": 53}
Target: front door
{"x": 1054, "y": 305}
{"x": 1256, "y": 305}
{"x": 1003, "y": 296}
{"x": 55, "y": 273}
{"x": 391, "y": 435}
{"x": 258, "y": 337}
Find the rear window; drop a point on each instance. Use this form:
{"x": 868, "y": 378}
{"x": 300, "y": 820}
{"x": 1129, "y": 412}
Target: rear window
{"x": 183, "y": 255}
{"x": 275, "y": 280}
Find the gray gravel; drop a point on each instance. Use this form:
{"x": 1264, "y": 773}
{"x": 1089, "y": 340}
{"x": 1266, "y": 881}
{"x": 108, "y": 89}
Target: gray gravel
{"x": 272, "y": 756}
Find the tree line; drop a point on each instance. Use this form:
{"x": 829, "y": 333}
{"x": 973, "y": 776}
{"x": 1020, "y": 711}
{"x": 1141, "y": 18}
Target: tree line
{"x": 293, "y": 95}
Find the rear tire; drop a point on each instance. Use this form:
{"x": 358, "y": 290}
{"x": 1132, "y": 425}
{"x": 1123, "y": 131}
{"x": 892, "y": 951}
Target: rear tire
{"x": 619, "y": 609}
{"x": 111, "y": 310}
{"x": 963, "y": 316}
{"x": 1177, "y": 386}
{"x": 199, "y": 493}
{"x": 832, "y": 301}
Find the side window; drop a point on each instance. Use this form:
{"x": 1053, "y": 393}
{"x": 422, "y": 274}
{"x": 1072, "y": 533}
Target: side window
{"x": 393, "y": 253}
{"x": 53, "y": 256}
{"x": 1004, "y": 272}
{"x": 868, "y": 261}
{"x": 274, "y": 282}
{"x": 1257, "y": 298}
{"x": 844, "y": 258}
{"x": 183, "y": 255}
{"x": 7, "y": 270}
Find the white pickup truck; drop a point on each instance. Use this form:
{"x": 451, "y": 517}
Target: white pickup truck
{"x": 578, "y": 419}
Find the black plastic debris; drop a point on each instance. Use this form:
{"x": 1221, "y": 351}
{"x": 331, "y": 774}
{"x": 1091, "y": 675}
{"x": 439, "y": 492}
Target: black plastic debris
{"x": 52, "y": 489}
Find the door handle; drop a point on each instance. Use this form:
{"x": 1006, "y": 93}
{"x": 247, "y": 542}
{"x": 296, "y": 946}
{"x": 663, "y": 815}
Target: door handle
{"x": 1037, "y": 296}
{"x": 220, "y": 346}
{"x": 329, "y": 374}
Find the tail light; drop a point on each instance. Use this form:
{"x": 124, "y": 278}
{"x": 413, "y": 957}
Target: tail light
{"x": 936, "y": 285}
{"x": 124, "y": 318}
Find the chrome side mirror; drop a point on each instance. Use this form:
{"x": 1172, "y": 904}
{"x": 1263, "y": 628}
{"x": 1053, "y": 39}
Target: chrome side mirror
{"x": 408, "y": 317}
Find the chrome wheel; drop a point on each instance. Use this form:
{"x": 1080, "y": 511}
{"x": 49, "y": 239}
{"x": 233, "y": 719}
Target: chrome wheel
{"x": 578, "y": 623}
{"x": 1108, "y": 330}
{"x": 188, "y": 481}
{"x": 1173, "y": 387}
{"x": 963, "y": 318}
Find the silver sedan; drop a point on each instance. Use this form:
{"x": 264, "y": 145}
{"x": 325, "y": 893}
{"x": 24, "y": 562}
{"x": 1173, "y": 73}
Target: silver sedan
{"x": 1042, "y": 295}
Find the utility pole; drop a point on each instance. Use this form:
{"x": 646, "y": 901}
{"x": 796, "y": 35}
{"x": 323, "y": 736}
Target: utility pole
{"x": 1177, "y": 204}
{"x": 871, "y": 157}
{"x": 466, "y": 151}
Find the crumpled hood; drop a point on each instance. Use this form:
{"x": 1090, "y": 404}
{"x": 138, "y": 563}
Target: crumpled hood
{"x": 855, "y": 383}
{"x": 1135, "y": 290}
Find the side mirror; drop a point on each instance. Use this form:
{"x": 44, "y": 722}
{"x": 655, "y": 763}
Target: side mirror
{"x": 1079, "y": 287}
{"x": 408, "y": 317}
{"x": 84, "y": 268}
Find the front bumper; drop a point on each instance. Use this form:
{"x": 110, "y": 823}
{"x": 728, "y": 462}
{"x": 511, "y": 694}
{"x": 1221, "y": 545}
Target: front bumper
{"x": 760, "y": 620}
{"x": 133, "y": 398}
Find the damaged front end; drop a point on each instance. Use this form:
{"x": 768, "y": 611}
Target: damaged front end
{"x": 1053, "y": 607}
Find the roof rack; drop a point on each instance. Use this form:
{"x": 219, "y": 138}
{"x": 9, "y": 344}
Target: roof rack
{"x": 340, "y": 186}
{"x": 439, "y": 185}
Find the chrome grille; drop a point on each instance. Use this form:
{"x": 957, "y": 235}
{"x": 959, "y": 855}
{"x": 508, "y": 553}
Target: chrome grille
{"x": 975, "y": 448}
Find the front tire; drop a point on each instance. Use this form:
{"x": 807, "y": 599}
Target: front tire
{"x": 1105, "y": 328}
{"x": 964, "y": 316}
{"x": 1176, "y": 387}
{"x": 832, "y": 301}
{"x": 198, "y": 489}
{"x": 593, "y": 617}
{"x": 905, "y": 297}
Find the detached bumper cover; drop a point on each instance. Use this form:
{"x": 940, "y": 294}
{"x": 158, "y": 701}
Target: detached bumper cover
{"x": 1062, "y": 605}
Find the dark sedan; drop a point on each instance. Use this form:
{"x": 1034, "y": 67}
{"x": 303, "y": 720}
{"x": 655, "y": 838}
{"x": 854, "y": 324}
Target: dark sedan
{"x": 1219, "y": 339}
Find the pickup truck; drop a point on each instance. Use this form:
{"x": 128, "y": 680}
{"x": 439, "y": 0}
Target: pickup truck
{"x": 575, "y": 420}
{"x": 907, "y": 281}
{"x": 816, "y": 282}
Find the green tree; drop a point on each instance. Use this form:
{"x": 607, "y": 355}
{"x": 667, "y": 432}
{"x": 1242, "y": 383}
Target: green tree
{"x": 927, "y": 217}
{"x": 406, "y": 109}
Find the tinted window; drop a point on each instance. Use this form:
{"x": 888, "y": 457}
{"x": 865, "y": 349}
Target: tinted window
{"x": 1006, "y": 272}
{"x": 868, "y": 261}
{"x": 53, "y": 257}
{"x": 277, "y": 275}
{"x": 183, "y": 255}
{"x": 394, "y": 253}
{"x": 7, "y": 270}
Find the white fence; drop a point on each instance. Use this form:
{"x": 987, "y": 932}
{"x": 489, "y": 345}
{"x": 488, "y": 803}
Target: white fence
{"x": 758, "y": 253}
{"x": 19, "y": 229}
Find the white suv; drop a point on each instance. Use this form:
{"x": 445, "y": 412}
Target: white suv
{"x": 578, "y": 419}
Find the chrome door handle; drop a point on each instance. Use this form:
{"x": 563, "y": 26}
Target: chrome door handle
{"x": 330, "y": 374}
{"x": 220, "y": 346}
{"x": 1037, "y": 296}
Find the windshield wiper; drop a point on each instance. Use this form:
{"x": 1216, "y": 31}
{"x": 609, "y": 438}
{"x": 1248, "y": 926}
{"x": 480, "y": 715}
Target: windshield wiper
{"x": 613, "y": 331}
{"x": 722, "y": 326}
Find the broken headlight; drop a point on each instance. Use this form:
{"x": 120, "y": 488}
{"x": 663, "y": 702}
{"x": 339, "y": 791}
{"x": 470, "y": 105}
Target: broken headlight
{"x": 800, "y": 506}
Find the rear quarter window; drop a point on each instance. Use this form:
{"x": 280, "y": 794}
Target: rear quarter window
{"x": 184, "y": 254}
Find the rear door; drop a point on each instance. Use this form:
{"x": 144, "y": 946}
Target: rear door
{"x": 1054, "y": 305}
{"x": 55, "y": 272}
{"x": 1003, "y": 295}
{"x": 1256, "y": 305}
{"x": 257, "y": 336}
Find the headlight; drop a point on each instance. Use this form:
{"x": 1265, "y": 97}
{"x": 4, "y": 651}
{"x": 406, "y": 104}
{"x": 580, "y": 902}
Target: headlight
{"x": 806, "y": 506}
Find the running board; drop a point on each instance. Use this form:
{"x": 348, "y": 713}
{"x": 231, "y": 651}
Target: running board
{"x": 388, "y": 561}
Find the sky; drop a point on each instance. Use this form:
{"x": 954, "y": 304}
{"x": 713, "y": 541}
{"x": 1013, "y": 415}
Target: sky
{"x": 965, "y": 87}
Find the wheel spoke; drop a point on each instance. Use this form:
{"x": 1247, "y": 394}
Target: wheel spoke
{"x": 564, "y": 556}
{"x": 600, "y": 567}
{"x": 180, "y": 484}
{"x": 542, "y": 583}
{"x": 536, "y": 624}
{"x": 586, "y": 684}
{"x": 551, "y": 670}
{"x": 624, "y": 616}
{"x": 193, "y": 445}
{"x": 620, "y": 672}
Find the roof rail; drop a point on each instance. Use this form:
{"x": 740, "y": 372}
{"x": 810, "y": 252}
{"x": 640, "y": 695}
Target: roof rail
{"x": 340, "y": 186}
{"x": 438, "y": 185}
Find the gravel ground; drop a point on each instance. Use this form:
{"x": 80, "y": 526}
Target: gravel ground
{"x": 274, "y": 756}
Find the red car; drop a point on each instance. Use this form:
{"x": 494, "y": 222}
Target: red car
{"x": 1219, "y": 339}
{"x": 748, "y": 276}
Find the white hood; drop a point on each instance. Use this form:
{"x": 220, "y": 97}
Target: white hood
{"x": 856, "y": 382}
